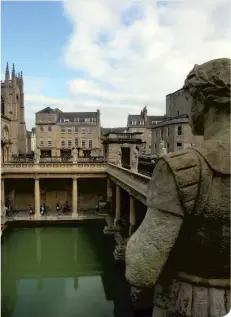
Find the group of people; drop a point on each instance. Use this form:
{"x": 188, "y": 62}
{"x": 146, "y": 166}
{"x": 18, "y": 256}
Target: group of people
{"x": 44, "y": 208}
{"x": 64, "y": 208}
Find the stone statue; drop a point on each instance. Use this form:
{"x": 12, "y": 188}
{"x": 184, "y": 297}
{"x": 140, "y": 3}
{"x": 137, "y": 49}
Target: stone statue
{"x": 74, "y": 154}
{"x": 119, "y": 154}
{"x": 36, "y": 155}
{"x": 162, "y": 151}
{"x": 182, "y": 248}
{"x": 135, "y": 159}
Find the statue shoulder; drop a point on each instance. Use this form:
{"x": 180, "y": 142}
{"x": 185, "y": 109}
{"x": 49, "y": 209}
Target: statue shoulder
{"x": 186, "y": 169}
{"x": 184, "y": 159}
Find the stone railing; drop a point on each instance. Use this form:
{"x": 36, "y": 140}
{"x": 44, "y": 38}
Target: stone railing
{"x": 129, "y": 180}
{"x": 122, "y": 136}
{"x": 56, "y": 159}
{"x": 53, "y": 168}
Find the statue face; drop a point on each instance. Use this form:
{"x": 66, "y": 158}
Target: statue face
{"x": 196, "y": 114}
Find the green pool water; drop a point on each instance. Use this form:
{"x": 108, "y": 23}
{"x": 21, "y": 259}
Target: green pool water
{"x": 62, "y": 272}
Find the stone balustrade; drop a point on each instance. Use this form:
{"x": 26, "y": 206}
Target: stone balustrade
{"x": 132, "y": 182}
{"x": 49, "y": 169}
{"x": 56, "y": 159}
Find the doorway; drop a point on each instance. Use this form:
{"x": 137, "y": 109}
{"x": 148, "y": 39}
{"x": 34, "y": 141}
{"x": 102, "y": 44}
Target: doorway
{"x": 126, "y": 152}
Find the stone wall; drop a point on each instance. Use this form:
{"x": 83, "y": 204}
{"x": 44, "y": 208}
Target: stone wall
{"x": 20, "y": 193}
{"x": 169, "y": 133}
{"x": 89, "y": 192}
{"x": 176, "y": 104}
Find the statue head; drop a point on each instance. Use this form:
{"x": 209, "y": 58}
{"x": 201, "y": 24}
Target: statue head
{"x": 208, "y": 86}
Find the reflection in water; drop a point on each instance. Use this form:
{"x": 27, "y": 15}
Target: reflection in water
{"x": 60, "y": 272}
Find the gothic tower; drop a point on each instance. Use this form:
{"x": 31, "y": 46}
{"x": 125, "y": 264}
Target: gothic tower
{"x": 12, "y": 109}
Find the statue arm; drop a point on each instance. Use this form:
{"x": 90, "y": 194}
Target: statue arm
{"x": 149, "y": 247}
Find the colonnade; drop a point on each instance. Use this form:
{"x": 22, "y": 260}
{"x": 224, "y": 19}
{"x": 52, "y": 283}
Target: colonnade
{"x": 132, "y": 211}
{"x": 37, "y": 199}
{"x": 74, "y": 196}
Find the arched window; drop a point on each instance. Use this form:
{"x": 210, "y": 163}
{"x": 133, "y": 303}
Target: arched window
{"x": 2, "y": 106}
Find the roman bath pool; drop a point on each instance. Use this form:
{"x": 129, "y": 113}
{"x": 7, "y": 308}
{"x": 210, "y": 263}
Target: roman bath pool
{"x": 62, "y": 271}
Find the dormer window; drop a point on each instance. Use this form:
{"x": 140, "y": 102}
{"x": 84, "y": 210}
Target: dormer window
{"x": 133, "y": 122}
{"x": 87, "y": 119}
{"x": 141, "y": 122}
{"x": 76, "y": 119}
{"x": 66, "y": 120}
{"x": 93, "y": 119}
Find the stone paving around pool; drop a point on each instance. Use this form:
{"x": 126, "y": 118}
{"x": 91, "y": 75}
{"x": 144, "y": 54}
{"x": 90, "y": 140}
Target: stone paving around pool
{"x": 52, "y": 217}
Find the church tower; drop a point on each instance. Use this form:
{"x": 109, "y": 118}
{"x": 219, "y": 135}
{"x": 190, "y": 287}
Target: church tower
{"x": 12, "y": 108}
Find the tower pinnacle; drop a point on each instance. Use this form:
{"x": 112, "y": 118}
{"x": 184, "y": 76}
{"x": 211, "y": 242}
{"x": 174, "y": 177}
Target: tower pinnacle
{"x": 7, "y": 73}
{"x": 13, "y": 77}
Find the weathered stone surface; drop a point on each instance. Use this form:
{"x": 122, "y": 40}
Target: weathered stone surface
{"x": 185, "y": 235}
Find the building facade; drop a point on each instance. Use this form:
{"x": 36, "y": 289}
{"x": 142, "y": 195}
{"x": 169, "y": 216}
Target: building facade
{"x": 13, "y": 127}
{"x": 176, "y": 133}
{"x": 57, "y": 133}
{"x": 176, "y": 104}
{"x": 144, "y": 124}
{"x": 175, "y": 129}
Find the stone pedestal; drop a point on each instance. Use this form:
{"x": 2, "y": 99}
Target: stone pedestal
{"x": 37, "y": 197}
{"x": 74, "y": 197}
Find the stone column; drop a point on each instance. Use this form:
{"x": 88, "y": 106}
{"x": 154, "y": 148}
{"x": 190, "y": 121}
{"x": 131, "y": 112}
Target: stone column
{"x": 37, "y": 197}
{"x": 74, "y": 197}
{"x": 132, "y": 217}
{"x": 12, "y": 198}
{"x": 109, "y": 190}
{"x": 2, "y": 195}
{"x": 117, "y": 215}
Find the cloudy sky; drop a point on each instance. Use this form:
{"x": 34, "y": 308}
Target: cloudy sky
{"x": 80, "y": 55}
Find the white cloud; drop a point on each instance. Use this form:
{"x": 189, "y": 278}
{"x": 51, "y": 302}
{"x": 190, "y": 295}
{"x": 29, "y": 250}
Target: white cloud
{"x": 127, "y": 67}
{"x": 149, "y": 58}
{"x": 112, "y": 115}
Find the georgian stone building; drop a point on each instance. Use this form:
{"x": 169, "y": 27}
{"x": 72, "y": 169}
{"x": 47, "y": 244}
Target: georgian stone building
{"x": 58, "y": 132}
{"x": 13, "y": 127}
{"x": 175, "y": 129}
{"x": 175, "y": 132}
{"x": 144, "y": 124}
